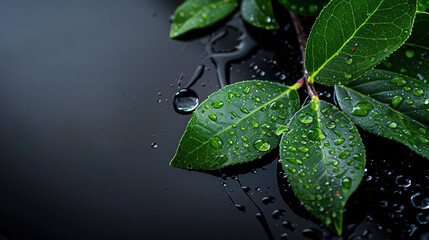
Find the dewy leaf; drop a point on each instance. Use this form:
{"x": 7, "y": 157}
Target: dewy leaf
{"x": 236, "y": 124}
{"x": 324, "y": 159}
{"x": 412, "y": 59}
{"x": 305, "y": 8}
{"x": 194, "y": 14}
{"x": 389, "y": 105}
{"x": 259, "y": 13}
{"x": 352, "y": 36}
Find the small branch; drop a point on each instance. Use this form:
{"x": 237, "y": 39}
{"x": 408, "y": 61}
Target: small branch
{"x": 302, "y": 39}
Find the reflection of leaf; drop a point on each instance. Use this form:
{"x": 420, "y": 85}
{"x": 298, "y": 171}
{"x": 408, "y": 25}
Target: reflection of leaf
{"x": 324, "y": 160}
{"x": 259, "y": 13}
{"x": 412, "y": 59}
{"x": 306, "y": 8}
{"x": 352, "y": 36}
{"x": 236, "y": 124}
{"x": 389, "y": 105}
{"x": 194, "y": 14}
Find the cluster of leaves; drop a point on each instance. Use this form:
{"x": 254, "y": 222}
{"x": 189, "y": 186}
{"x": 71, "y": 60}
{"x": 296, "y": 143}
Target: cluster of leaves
{"x": 350, "y": 47}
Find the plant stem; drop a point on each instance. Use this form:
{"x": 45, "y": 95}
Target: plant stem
{"x": 302, "y": 39}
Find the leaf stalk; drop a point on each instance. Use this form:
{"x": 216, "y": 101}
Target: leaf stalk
{"x": 302, "y": 40}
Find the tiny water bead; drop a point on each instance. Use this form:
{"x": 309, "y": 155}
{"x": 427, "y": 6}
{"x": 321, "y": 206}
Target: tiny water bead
{"x": 185, "y": 100}
{"x": 154, "y": 145}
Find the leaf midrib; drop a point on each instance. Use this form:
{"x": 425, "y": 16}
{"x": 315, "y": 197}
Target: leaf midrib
{"x": 248, "y": 115}
{"x": 341, "y": 48}
{"x": 200, "y": 12}
{"x": 321, "y": 145}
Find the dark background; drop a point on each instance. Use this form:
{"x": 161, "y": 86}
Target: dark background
{"x": 86, "y": 91}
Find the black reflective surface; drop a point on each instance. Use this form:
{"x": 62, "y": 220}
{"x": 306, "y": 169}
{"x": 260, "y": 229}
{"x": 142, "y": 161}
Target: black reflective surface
{"x": 87, "y": 129}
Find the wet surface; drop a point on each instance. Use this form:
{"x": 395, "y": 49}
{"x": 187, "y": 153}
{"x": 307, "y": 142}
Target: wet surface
{"x": 88, "y": 127}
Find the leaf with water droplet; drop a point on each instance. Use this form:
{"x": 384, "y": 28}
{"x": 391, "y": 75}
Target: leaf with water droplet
{"x": 352, "y": 29}
{"x": 259, "y": 13}
{"x": 384, "y": 109}
{"x": 305, "y": 8}
{"x": 412, "y": 58}
{"x": 211, "y": 143}
{"x": 329, "y": 155}
{"x": 195, "y": 14}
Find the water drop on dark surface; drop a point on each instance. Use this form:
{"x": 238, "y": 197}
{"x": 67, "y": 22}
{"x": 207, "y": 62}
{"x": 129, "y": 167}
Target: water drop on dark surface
{"x": 185, "y": 101}
{"x": 268, "y": 200}
{"x": 154, "y": 145}
{"x": 240, "y": 207}
{"x": 278, "y": 213}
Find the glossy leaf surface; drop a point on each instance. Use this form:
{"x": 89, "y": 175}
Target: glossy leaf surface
{"x": 305, "y": 8}
{"x": 412, "y": 59}
{"x": 324, "y": 159}
{"x": 352, "y": 36}
{"x": 259, "y": 13}
{"x": 389, "y": 105}
{"x": 236, "y": 124}
{"x": 423, "y": 5}
{"x": 195, "y": 14}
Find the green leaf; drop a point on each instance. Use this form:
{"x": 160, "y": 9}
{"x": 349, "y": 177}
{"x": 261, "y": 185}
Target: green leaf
{"x": 324, "y": 159}
{"x": 195, "y": 14}
{"x": 412, "y": 59}
{"x": 389, "y": 105}
{"x": 423, "y": 5}
{"x": 236, "y": 124}
{"x": 305, "y": 8}
{"x": 352, "y": 36}
{"x": 259, "y": 13}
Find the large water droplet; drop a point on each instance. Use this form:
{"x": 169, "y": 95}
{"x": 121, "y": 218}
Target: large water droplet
{"x": 262, "y": 145}
{"x": 392, "y": 125}
{"x": 268, "y": 200}
{"x": 399, "y": 81}
{"x": 349, "y": 60}
{"x": 280, "y": 129}
{"x": 402, "y": 181}
{"x": 348, "y": 75}
{"x": 420, "y": 200}
{"x": 347, "y": 182}
{"x": 362, "y": 108}
{"x": 418, "y": 91}
{"x": 185, "y": 100}
{"x": 244, "y": 110}
{"x": 216, "y": 142}
{"x": 213, "y": 116}
{"x": 397, "y": 100}
{"x": 217, "y": 104}
{"x": 305, "y": 118}
{"x": 344, "y": 155}
{"x": 339, "y": 141}
{"x": 410, "y": 53}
